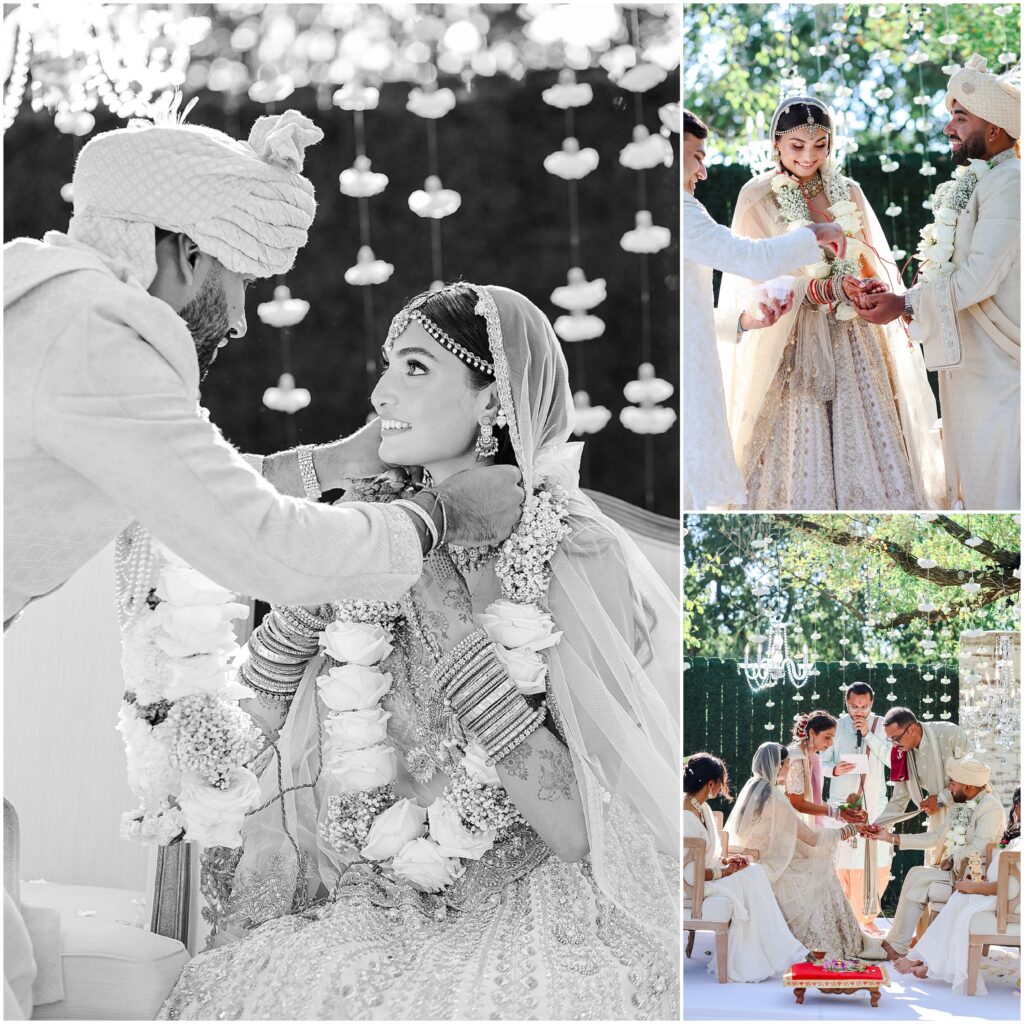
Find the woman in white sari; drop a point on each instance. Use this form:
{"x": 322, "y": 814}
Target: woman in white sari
{"x": 826, "y": 410}
{"x": 760, "y": 944}
{"x": 797, "y": 860}
{"x": 547, "y": 885}
{"x": 942, "y": 951}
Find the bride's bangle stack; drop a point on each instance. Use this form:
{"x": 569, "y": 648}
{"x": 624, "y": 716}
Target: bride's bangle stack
{"x": 488, "y": 703}
{"x": 824, "y": 292}
{"x": 280, "y": 649}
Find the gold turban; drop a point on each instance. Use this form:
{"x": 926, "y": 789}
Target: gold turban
{"x": 993, "y": 99}
{"x": 244, "y": 203}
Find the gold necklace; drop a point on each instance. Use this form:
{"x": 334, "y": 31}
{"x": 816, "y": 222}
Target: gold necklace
{"x": 814, "y": 186}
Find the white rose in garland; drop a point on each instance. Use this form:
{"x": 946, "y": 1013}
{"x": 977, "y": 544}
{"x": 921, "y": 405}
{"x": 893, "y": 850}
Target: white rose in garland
{"x": 354, "y": 730}
{"x": 363, "y": 769}
{"x": 526, "y": 668}
{"x": 353, "y": 687}
{"x": 214, "y": 816}
{"x": 518, "y": 625}
{"x": 358, "y": 643}
{"x": 452, "y": 837}
{"x": 422, "y": 864}
{"x": 935, "y": 250}
{"x": 391, "y": 830}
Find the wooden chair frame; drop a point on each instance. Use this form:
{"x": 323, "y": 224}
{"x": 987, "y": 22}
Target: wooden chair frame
{"x": 1007, "y": 913}
{"x": 694, "y": 896}
{"x": 932, "y": 910}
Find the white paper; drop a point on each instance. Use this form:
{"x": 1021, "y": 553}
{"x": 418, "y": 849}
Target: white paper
{"x": 859, "y": 762}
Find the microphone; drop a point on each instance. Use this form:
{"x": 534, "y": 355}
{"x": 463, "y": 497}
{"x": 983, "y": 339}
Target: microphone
{"x": 860, "y": 739}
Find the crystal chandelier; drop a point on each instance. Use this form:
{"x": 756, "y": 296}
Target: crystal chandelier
{"x": 773, "y": 662}
{"x": 990, "y": 700}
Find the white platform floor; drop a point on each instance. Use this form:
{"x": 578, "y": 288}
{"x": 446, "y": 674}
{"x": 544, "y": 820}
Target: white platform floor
{"x": 907, "y": 998}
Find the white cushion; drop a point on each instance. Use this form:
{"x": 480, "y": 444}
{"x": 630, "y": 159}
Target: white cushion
{"x": 984, "y": 923}
{"x": 113, "y": 968}
{"x": 714, "y": 910}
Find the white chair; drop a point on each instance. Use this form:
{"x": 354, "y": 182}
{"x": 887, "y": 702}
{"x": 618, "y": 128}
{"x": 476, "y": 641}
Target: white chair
{"x": 700, "y": 914}
{"x": 939, "y": 894}
{"x": 112, "y": 969}
{"x": 999, "y": 927}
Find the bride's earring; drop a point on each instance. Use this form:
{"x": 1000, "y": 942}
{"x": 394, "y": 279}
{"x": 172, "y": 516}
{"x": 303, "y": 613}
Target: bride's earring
{"x": 486, "y": 442}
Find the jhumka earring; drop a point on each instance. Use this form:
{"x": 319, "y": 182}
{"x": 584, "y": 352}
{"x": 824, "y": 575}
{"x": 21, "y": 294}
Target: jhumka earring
{"x": 486, "y": 442}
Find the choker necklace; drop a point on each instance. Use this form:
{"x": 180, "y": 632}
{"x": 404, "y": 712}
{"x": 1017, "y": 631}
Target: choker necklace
{"x": 813, "y": 187}
{"x": 695, "y": 801}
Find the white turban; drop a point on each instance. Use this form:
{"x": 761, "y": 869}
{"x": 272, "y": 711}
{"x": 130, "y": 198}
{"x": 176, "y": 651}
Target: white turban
{"x": 968, "y": 771}
{"x": 993, "y": 99}
{"x": 244, "y": 203}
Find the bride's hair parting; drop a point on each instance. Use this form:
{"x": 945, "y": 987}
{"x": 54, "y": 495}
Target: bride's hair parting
{"x": 703, "y": 768}
{"x": 796, "y": 117}
{"x": 813, "y": 721}
{"x": 453, "y": 309}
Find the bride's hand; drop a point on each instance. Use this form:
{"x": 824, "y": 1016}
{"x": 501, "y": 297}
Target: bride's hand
{"x": 442, "y": 593}
{"x": 852, "y": 288}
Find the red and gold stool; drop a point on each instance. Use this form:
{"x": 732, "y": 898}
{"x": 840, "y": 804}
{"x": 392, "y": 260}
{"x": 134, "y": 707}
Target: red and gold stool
{"x": 801, "y": 977}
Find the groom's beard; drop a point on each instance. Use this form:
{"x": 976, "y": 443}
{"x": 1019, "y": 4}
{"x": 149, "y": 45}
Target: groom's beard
{"x": 206, "y": 317}
{"x": 959, "y": 798}
{"x": 972, "y": 148}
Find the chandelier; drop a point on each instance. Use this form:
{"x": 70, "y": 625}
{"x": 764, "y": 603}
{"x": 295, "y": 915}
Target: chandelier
{"x": 773, "y": 662}
{"x": 990, "y": 694}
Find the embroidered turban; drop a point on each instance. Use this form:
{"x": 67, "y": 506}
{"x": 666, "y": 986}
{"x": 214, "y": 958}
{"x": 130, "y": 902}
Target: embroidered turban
{"x": 244, "y": 203}
{"x": 993, "y": 99}
{"x": 968, "y": 771}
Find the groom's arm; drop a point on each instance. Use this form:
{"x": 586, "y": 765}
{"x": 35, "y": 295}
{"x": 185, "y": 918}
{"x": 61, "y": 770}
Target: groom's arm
{"x": 712, "y": 245}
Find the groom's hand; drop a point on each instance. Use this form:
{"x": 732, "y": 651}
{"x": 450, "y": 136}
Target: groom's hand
{"x": 350, "y": 458}
{"x": 880, "y": 307}
{"x": 483, "y": 504}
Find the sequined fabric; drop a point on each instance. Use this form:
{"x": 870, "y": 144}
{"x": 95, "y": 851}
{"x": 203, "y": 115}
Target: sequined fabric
{"x": 545, "y": 946}
{"x": 848, "y": 453}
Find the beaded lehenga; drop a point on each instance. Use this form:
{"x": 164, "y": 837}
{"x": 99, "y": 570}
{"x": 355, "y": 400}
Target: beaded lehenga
{"x": 520, "y": 934}
{"x": 827, "y": 413}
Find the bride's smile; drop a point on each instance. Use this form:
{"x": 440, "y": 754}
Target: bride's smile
{"x": 429, "y": 409}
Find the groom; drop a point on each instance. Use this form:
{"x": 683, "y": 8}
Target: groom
{"x": 708, "y": 246}
{"x": 108, "y": 331}
{"x": 969, "y": 318}
{"x": 977, "y": 820}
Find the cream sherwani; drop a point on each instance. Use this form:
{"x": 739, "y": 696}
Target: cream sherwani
{"x": 969, "y": 323}
{"x": 101, "y": 427}
{"x": 986, "y": 826}
{"x": 711, "y": 478}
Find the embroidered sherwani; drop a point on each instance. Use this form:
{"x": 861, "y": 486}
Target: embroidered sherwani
{"x": 986, "y": 826}
{"x": 101, "y": 427}
{"x": 710, "y": 475}
{"x": 969, "y": 322}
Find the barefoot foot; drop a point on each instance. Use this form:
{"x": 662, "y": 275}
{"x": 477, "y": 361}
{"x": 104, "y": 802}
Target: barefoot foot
{"x": 920, "y": 971}
{"x": 890, "y": 953}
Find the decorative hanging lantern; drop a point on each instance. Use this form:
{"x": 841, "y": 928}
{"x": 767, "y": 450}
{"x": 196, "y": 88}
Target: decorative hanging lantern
{"x": 430, "y": 103}
{"x": 773, "y": 662}
{"x": 589, "y": 418}
{"x": 646, "y": 151}
{"x": 580, "y": 295}
{"x": 433, "y": 200}
{"x": 568, "y": 93}
{"x": 646, "y": 416}
{"x": 646, "y": 237}
{"x": 570, "y": 163}
{"x": 286, "y": 397}
{"x": 368, "y": 270}
{"x": 361, "y": 182}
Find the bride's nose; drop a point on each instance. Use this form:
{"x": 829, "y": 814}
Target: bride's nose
{"x": 381, "y": 396}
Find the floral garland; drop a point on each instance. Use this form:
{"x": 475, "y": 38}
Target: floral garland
{"x": 792, "y": 204}
{"x": 426, "y": 846}
{"x": 956, "y": 832}
{"x": 935, "y": 250}
{"x": 186, "y": 740}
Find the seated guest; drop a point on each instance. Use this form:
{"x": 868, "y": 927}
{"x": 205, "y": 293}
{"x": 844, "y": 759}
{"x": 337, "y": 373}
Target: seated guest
{"x": 977, "y": 819}
{"x": 760, "y": 944}
{"x": 943, "y": 949}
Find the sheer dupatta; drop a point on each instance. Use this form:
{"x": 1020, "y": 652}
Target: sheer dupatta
{"x": 751, "y": 366}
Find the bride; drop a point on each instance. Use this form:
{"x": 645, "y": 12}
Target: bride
{"x": 464, "y": 875}
{"x": 826, "y": 410}
{"x": 797, "y": 860}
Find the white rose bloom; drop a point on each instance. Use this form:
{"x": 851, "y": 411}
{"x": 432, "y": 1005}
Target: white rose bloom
{"x": 526, "y": 668}
{"x": 204, "y": 673}
{"x": 182, "y": 585}
{"x": 357, "y": 770}
{"x": 475, "y": 765}
{"x": 781, "y": 182}
{"x": 942, "y": 252}
{"x": 980, "y": 168}
{"x": 850, "y": 223}
{"x": 518, "y": 625}
{"x": 423, "y": 865}
{"x": 197, "y": 629}
{"x": 928, "y": 231}
{"x": 945, "y": 216}
{"x": 354, "y": 730}
{"x": 798, "y": 224}
{"x": 402, "y": 822}
{"x": 362, "y": 643}
{"x": 818, "y": 270}
{"x": 353, "y": 687}
{"x": 844, "y": 208}
{"x": 214, "y": 816}
{"x": 845, "y": 311}
{"x": 452, "y": 837}
{"x": 945, "y": 233}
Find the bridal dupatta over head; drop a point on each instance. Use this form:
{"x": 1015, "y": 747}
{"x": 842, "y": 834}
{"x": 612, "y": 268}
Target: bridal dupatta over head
{"x": 613, "y": 677}
{"x": 764, "y": 820}
{"x": 751, "y": 366}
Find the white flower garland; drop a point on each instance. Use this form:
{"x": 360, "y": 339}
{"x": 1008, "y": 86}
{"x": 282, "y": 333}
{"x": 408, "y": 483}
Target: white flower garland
{"x": 426, "y": 846}
{"x": 935, "y": 250}
{"x": 956, "y": 831}
{"x": 186, "y": 739}
{"x": 792, "y": 204}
